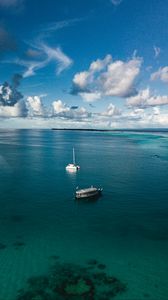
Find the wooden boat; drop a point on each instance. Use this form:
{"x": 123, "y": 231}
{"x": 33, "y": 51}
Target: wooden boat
{"x": 88, "y": 192}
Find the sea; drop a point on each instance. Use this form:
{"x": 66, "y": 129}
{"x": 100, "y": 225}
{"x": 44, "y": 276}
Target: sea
{"x": 121, "y": 237}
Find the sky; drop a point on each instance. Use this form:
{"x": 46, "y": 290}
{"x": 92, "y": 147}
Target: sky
{"x": 84, "y": 64}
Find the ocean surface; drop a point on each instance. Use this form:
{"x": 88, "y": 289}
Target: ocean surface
{"x": 125, "y": 230}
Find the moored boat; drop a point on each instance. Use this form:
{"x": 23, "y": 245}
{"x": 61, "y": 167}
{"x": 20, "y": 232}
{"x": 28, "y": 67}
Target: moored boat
{"x": 88, "y": 192}
{"x": 73, "y": 166}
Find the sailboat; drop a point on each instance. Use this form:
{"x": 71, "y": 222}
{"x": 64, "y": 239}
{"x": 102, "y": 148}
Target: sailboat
{"x": 73, "y": 166}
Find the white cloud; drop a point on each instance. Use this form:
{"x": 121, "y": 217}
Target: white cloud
{"x": 161, "y": 119}
{"x": 60, "y": 109}
{"x": 35, "y": 107}
{"x": 107, "y": 78}
{"x": 57, "y": 55}
{"x": 158, "y": 100}
{"x": 48, "y": 55}
{"x": 137, "y": 118}
{"x": 145, "y": 99}
{"x": 157, "y": 51}
{"x": 82, "y": 79}
{"x": 11, "y": 103}
{"x": 116, "y": 2}
{"x": 120, "y": 77}
{"x": 140, "y": 99}
{"x": 111, "y": 110}
{"x": 90, "y": 97}
{"x": 48, "y": 29}
{"x": 17, "y": 110}
{"x": 161, "y": 74}
{"x": 100, "y": 64}
{"x": 140, "y": 118}
{"x": 63, "y": 116}
{"x": 5, "y": 92}
{"x": 31, "y": 66}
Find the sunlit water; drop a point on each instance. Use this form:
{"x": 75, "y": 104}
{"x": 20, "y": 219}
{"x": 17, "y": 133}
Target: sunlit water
{"x": 126, "y": 229}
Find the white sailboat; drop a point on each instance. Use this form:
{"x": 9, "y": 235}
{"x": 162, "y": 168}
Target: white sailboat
{"x": 73, "y": 166}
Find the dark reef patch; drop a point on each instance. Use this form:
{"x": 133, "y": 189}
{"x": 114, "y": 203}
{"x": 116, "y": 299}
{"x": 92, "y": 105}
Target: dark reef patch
{"x": 92, "y": 262}
{"x": 16, "y": 218}
{"x": 2, "y": 246}
{"x": 70, "y": 281}
{"x": 54, "y": 257}
{"x": 101, "y": 266}
{"x": 18, "y": 244}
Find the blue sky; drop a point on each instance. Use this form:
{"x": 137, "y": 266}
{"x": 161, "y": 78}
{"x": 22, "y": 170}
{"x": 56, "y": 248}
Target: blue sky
{"x": 84, "y": 64}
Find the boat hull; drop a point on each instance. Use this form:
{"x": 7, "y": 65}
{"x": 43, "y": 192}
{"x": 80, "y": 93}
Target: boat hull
{"x": 88, "y": 195}
{"x": 72, "y": 167}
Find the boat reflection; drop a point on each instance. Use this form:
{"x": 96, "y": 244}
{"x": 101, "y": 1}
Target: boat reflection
{"x": 71, "y": 171}
{"x": 91, "y": 200}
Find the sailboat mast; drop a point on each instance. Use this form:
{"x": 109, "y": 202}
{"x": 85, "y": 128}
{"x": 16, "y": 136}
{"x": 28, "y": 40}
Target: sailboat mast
{"x": 74, "y": 156}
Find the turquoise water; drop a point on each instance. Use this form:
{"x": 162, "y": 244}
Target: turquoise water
{"x": 126, "y": 229}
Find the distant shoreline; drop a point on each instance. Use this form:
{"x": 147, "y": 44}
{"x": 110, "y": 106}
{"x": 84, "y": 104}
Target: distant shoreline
{"x": 113, "y": 130}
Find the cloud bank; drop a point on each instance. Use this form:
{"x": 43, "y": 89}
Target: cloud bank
{"x": 145, "y": 99}
{"x": 60, "y": 109}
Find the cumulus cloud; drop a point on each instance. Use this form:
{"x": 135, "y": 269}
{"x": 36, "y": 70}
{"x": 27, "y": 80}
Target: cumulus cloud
{"x": 17, "y": 110}
{"x": 153, "y": 118}
{"x": 9, "y": 95}
{"x": 160, "y": 118}
{"x": 107, "y": 78}
{"x": 120, "y": 77}
{"x": 161, "y": 74}
{"x": 61, "y": 115}
{"x": 111, "y": 110}
{"x": 83, "y": 80}
{"x": 135, "y": 118}
{"x": 60, "y": 109}
{"x": 145, "y": 99}
{"x": 35, "y": 107}
{"x": 57, "y": 109}
{"x": 11, "y": 100}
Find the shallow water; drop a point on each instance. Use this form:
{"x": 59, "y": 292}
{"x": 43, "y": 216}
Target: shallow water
{"x": 126, "y": 229}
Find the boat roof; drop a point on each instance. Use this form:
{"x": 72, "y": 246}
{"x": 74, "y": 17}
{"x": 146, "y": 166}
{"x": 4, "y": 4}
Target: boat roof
{"x": 87, "y": 190}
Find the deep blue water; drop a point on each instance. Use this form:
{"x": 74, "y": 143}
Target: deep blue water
{"x": 126, "y": 229}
